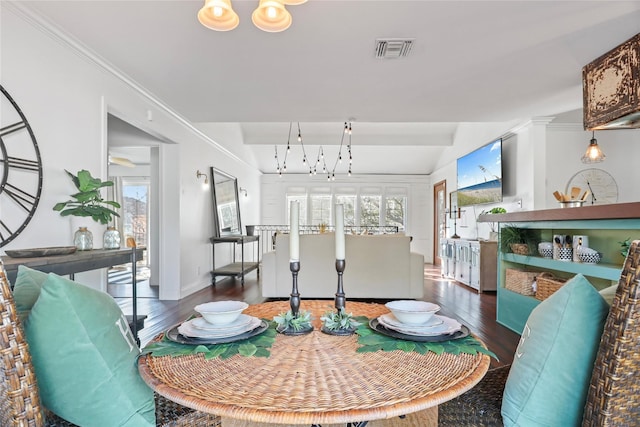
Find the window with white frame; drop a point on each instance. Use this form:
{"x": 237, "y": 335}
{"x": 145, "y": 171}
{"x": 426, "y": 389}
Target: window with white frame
{"x": 370, "y": 210}
{"x": 395, "y": 211}
{"x": 302, "y": 201}
{"x": 320, "y": 209}
{"x": 349, "y": 202}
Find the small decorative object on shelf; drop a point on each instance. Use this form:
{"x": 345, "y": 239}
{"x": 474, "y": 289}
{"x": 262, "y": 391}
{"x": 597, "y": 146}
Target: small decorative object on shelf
{"x": 83, "y": 239}
{"x": 111, "y": 238}
{"x": 88, "y": 202}
{"x": 520, "y": 241}
{"x": 339, "y": 323}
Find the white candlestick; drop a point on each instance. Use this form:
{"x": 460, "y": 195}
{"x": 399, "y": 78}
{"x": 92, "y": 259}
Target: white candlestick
{"x": 294, "y": 233}
{"x": 340, "y": 252}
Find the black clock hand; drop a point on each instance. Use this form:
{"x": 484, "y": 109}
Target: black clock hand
{"x": 593, "y": 196}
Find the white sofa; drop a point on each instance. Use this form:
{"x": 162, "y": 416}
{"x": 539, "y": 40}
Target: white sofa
{"x": 379, "y": 266}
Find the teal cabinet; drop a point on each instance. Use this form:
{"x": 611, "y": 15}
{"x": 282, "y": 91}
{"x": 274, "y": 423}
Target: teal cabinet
{"x": 605, "y": 226}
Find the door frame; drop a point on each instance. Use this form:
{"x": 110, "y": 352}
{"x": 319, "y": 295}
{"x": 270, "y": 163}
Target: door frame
{"x": 440, "y": 186}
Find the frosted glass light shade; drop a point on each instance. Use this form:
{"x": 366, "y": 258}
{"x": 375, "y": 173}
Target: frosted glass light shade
{"x": 218, "y": 15}
{"x": 271, "y": 16}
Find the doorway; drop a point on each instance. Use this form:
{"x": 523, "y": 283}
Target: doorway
{"x": 439, "y": 218}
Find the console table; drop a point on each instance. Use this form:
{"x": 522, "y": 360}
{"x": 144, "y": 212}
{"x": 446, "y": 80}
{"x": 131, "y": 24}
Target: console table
{"x": 80, "y": 261}
{"x": 237, "y": 269}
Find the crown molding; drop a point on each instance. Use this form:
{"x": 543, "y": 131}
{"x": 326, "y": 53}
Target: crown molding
{"x": 57, "y": 34}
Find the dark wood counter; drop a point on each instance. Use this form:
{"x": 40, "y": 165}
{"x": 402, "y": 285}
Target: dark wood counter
{"x": 614, "y": 211}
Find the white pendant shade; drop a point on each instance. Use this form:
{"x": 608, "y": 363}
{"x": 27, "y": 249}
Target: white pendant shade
{"x": 218, "y": 15}
{"x": 271, "y": 16}
{"x": 293, "y": 2}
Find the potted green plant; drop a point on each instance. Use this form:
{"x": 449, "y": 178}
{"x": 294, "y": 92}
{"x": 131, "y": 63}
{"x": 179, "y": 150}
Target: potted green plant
{"x": 339, "y": 322}
{"x": 521, "y": 241}
{"x": 87, "y": 202}
{"x": 493, "y": 226}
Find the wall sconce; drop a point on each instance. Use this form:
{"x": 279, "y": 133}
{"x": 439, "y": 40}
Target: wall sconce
{"x": 243, "y": 191}
{"x": 200, "y": 174}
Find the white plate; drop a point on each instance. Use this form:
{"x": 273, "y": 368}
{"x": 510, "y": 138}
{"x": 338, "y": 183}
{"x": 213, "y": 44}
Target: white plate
{"x": 188, "y": 330}
{"x": 201, "y": 323}
{"x": 388, "y": 319}
{"x": 448, "y": 326}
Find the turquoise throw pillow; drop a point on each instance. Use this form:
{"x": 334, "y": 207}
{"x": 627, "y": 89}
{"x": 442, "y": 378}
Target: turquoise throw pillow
{"x": 549, "y": 378}
{"x": 26, "y": 290}
{"x": 85, "y": 357}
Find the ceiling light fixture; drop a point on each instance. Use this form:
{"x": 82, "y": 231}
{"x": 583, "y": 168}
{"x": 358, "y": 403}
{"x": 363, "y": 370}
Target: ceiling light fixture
{"x": 122, "y": 161}
{"x": 270, "y": 15}
{"x": 218, "y": 15}
{"x": 594, "y": 154}
{"x": 320, "y": 160}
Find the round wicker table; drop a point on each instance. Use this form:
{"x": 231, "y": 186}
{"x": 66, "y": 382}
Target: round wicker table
{"x": 315, "y": 378}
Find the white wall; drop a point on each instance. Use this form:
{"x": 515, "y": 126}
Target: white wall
{"x": 66, "y": 97}
{"x": 540, "y": 156}
{"x": 417, "y": 187}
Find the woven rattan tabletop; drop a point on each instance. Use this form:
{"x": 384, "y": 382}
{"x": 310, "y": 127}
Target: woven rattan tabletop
{"x": 315, "y": 378}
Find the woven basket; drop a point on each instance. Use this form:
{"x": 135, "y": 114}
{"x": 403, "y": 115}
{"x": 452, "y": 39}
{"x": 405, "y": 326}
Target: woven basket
{"x": 519, "y": 248}
{"x": 520, "y": 281}
{"x": 547, "y": 284}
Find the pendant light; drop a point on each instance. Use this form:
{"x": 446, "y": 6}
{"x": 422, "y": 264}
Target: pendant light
{"x": 271, "y": 16}
{"x": 218, "y": 15}
{"x": 594, "y": 154}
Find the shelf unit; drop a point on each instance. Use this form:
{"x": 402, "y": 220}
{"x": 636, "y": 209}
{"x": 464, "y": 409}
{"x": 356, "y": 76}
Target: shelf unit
{"x": 606, "y": 226}
{"x": 236, "y": 269}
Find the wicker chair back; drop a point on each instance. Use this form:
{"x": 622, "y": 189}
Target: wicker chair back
{"x": 19, "y": 397}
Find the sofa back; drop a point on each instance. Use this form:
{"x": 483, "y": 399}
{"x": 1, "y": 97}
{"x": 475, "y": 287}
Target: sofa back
{"x": 374, "y": 265}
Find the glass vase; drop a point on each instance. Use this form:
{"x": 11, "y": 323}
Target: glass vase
{"x": 111, "y": 239}
{"x": 83, "y": 239}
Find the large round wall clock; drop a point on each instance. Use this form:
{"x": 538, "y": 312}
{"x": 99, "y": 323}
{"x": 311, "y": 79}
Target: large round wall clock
{"x": 20, "y": 170}
{"x": 602, "y": 187}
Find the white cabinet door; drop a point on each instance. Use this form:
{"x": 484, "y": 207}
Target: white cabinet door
{"x": 474, "y": 260}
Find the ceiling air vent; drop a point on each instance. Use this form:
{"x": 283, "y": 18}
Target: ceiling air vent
{"x": 393, "y": 48}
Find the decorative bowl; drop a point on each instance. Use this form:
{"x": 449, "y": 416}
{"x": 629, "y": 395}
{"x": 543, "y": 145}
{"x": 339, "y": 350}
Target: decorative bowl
{"x": 221, "y": 312}
{"x": 589, "y": 258}
{"x": 412, "y": 312}
{"x": 572, "y": 204}
{"x": 546, "y": 252}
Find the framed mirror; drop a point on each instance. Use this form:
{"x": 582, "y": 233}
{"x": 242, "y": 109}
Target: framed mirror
{"x": 226, "y": 205}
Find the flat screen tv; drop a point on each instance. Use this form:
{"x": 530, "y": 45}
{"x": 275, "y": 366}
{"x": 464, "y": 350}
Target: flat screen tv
{"x": 479, "y": 175}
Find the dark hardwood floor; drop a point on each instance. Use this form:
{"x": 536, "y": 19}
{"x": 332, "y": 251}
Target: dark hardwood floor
{"x": 477, "y": 311}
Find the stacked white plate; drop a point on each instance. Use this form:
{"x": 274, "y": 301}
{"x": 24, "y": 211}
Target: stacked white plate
{"x": 200, "y": 328}
{"x": 436, "y": 325}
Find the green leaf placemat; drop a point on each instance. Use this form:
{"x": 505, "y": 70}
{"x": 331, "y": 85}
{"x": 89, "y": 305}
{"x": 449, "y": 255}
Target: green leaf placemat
{"x": 258, "y": 346}
{"x": 371, "y": 341}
